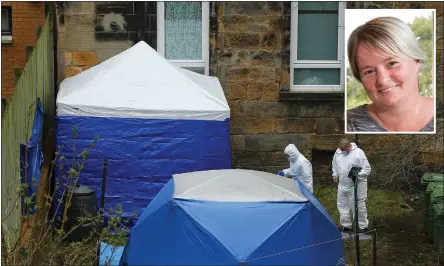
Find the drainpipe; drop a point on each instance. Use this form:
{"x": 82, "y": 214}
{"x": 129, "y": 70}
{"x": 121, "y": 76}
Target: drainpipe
{"x": 51, "y": 117}
{"x": 357, "y": 141}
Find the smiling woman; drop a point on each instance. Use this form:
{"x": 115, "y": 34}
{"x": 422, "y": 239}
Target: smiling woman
{"x": 385, "y": 58}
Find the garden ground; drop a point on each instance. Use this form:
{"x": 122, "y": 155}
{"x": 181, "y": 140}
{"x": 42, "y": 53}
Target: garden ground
{"x": 398, "y": 221}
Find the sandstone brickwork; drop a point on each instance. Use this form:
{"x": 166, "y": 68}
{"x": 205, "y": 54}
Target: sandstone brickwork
{"x": 250, "y": 54}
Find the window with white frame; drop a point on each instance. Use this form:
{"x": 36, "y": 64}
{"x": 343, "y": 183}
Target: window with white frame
{"x": 6, "y": 20}
{"x": 6, "y": 24}
{"x": 183, "y": 34}
{"x": 317, "y": 47}
{"x": 177, "y": 30}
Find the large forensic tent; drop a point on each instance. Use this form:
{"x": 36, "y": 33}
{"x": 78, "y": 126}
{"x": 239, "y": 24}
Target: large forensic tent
{"x": 233, "y": 217}
{"x": 154, "y": 120}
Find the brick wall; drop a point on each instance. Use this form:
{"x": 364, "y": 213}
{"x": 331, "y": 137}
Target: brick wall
{"x": 26, "y": 18}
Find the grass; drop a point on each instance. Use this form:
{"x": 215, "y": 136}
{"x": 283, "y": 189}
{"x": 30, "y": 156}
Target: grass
{"x": 399, "y": 225}
{"x": 380, "y": 203}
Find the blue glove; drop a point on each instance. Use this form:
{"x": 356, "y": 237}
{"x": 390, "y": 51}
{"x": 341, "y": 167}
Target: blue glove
{"x": 281, "y": 173}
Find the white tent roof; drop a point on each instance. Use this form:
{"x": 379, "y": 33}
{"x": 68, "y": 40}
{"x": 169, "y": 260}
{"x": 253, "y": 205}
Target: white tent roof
{"x": 236, "y": 185}
{"x": 140, "y": 83}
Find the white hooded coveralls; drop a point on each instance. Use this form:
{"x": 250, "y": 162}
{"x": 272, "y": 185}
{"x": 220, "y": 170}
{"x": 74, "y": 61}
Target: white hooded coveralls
{"x": 300, "y": 167}
{"x": 341, "y": 165}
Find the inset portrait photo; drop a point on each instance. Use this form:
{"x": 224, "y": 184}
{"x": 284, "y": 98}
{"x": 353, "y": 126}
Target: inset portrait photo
{"x": 390, "y": 71}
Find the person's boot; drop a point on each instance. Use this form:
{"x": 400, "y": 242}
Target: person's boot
{"x": 344, "y": 229}
{"x": 363, "y": 230}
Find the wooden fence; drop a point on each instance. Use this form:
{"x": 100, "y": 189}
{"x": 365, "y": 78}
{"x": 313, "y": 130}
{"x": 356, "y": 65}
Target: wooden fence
{"x": 36, "y": 81}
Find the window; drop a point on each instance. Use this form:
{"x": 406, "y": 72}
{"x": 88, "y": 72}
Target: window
{"x": 177, "y": 30}
{"x": 6, "y": 20}
{"x": 6, "y": 24}
{"x": 317, "y": 47}
{"x": 183, "y": 34}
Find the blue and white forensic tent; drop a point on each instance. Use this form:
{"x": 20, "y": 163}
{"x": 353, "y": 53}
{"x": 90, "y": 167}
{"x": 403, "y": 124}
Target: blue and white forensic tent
{"x": 233, "y": 216}
{"x": 154, "y": 120}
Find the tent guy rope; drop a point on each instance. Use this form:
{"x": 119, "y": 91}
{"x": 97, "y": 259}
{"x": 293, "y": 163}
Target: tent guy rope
{"x": 305, "y": 247}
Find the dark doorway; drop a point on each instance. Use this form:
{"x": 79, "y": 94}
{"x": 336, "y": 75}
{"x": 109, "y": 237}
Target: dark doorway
{"x": 321, "y": 163}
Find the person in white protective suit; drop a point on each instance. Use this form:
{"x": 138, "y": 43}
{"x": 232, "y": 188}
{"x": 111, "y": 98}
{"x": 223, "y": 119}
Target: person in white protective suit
{"x": 300, "y": 167}
{"x": 347, "y": 156}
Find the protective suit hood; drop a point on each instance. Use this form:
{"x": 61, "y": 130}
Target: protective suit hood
{"x": 292, "y": 152}
{"x": 300, "y": 167}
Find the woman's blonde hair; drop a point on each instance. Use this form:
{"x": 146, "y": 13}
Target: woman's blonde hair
{"x": 389, "y": 34}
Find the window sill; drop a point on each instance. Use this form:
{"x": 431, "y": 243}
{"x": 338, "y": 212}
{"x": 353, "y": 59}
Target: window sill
{"x": 311, "y": 96}
{"x": 6, "y": 39}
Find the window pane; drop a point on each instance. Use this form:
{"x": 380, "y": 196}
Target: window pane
{"x": 318, "y": 6}
{"x": 200, "y": 70}
{"x": 317, "y": 76}
{"x": 150, "y": 36}
{"x": 5, "y": 20}
{"x": 151, "y": 39}
{"x": 317, "y": 37}
{"x": 183, "y": 30}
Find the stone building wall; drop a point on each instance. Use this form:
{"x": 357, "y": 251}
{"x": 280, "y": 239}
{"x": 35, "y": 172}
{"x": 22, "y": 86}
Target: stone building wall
{"x": 253, "y": 66}
{"x": 78, "y": 46}
{"x": 249, "y": 53}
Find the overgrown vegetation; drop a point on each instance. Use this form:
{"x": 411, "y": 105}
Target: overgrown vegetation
{"x": 43, "y": 241}
{"x": 398, "y": 221}
{"x": 398, "y": 160}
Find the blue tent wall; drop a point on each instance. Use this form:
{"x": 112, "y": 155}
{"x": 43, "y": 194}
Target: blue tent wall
{"x": 313, "y": 240}
{"x": 142, "y": 154}
{"x": 294, "y": 233}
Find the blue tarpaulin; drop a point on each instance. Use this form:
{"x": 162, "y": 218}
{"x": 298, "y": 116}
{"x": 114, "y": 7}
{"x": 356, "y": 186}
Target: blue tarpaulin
{"x": 233, "y": 217}
{"x": 31, "y": 153}
{"x": 142, "y": 154}
{"x": 110, "y": 255}
{"x": 153, "y": 119}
